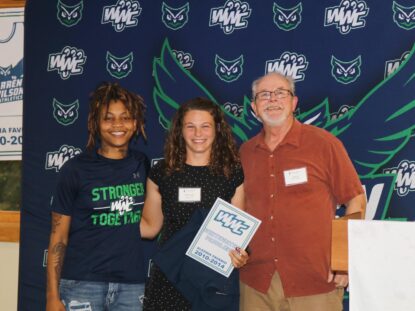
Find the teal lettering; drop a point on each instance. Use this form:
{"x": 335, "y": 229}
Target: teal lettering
{"x": 112, "y": 193}
{"x": 94, "y": 219}
{"x": 140, "y": 188}
{"x": 103, "y": 219}
{"x": 137, "y": 216}
{"x": 126, "y": 190}
{"x": 104, "y": 192}
{"x": 117, "y": 220}
{"x": 95, "y": 194}
{"x": 118, "y": 191}
{"x": 113, "y": 219}
{"x": 132, "y": 217}
{"x": 110, "y": 219}
{"x": 133, "y": 189}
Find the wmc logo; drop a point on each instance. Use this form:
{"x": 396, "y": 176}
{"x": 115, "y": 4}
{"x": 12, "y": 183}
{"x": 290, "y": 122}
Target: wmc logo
{"x": 287, "y": 19}
{"x": 233, "y": 15}
{"x": 65, "y": 114}
{"x": 69, "y": 15}
{"x": 175, "y": 18}
{"x": 229, "y": 70}
{"x": 343, "y": 110}
{"x": 403, "y": 16}
{"x": 345, "y": 72}
{"x": 56, "y": 159}
{"x": 119, "y": 67}
{"x": 348, "y": 15}
{"x": 405, "y": 177}
{"x": 185, "y": 59}
{"x": 290, "y": 64}
{"x": 67, "y": 62}
{"x": 234, "y": 109}
{"x": 232, "y": 222}
{"x": 124, "y": 204}
{"x": 393, "y": 64}
{"x": 121, "y": 15}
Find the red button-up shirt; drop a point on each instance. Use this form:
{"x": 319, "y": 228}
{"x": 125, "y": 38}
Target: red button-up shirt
{"x": 296, "y": 212}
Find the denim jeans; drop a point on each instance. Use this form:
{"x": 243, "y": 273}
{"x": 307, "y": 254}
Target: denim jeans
{"x": 100, "y": 296}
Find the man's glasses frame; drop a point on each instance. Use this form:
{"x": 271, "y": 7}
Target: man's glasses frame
{"x": 279, "y": 94}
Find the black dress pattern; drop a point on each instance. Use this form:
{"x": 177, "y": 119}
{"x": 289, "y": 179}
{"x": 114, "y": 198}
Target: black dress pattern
{"x": 160, "y": 294}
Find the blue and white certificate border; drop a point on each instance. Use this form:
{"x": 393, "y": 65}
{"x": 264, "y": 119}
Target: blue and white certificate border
{"x": 217, "y": 206}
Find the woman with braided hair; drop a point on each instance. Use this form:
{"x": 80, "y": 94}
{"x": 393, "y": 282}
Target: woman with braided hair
{"x": 95, "y": 257}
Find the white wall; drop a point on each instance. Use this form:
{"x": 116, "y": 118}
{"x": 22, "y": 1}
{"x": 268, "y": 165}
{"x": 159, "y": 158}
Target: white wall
{"x": 9, "y": 263}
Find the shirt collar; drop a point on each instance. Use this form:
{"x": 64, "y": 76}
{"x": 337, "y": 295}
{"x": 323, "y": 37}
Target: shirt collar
{"x": 292, "y": 137}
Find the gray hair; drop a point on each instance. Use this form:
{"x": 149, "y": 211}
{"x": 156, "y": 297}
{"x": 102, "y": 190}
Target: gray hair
{"x": 289, "y": 79}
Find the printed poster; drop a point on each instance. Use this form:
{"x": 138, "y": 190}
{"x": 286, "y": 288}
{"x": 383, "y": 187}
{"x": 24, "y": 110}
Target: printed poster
{"x": 11, "y": 83}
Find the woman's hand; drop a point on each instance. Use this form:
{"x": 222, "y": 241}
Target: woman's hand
{"x": 54, "y": 305}
{"x": 239, "y": 257}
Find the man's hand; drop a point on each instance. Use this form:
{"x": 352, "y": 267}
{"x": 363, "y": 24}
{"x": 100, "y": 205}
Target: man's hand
{"x": 341, "y": 280}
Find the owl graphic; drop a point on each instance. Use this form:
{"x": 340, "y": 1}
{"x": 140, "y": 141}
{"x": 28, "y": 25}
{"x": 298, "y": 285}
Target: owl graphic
{"x": 119, "y": 67}
{"x": 5, "y": 71}
{"x": 403, "y": 16}
{"x": 345, "y": 72}
{"x": 287, "y": 19}
{"x": 175, "y": 18}
{"x": 65, "y": 114}
{"x": 229, "y": 70}
{"x": 69, "y": 15}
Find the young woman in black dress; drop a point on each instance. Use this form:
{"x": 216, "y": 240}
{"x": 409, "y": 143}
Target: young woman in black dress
{"x": 201, "y": 159}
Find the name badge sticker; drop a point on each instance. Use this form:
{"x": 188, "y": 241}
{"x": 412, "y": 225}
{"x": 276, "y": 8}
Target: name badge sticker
{"x": 295, "y": 176}
{"x": 190, "y": 194}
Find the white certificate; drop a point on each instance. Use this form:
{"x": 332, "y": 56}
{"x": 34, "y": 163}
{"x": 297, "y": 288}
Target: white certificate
{"x": 225, "y": 228}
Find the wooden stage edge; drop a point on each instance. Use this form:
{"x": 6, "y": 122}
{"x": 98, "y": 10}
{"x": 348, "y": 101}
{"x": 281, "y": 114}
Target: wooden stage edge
{"x": 9, "y": 226}
{"x": 12, "y": 3}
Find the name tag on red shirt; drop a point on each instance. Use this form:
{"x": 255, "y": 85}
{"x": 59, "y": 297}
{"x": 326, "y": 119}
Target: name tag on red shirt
{"x": 295, "y": 176}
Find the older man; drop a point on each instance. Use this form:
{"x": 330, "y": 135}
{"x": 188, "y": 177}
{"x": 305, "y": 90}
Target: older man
{"x": 295, "y": 175}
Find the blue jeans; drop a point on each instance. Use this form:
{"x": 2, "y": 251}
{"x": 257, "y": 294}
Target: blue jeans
{"x": 100, "y": 296}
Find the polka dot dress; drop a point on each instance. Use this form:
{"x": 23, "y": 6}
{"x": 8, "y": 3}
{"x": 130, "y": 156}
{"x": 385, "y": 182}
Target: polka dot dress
{"x": 160, "y": 293}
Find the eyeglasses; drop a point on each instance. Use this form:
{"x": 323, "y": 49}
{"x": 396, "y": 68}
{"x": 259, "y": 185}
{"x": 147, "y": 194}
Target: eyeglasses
{"x": 279, "y": 94}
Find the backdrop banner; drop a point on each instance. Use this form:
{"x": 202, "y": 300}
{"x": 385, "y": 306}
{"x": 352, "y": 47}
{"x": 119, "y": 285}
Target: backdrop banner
{"x": 353, "y": 62}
